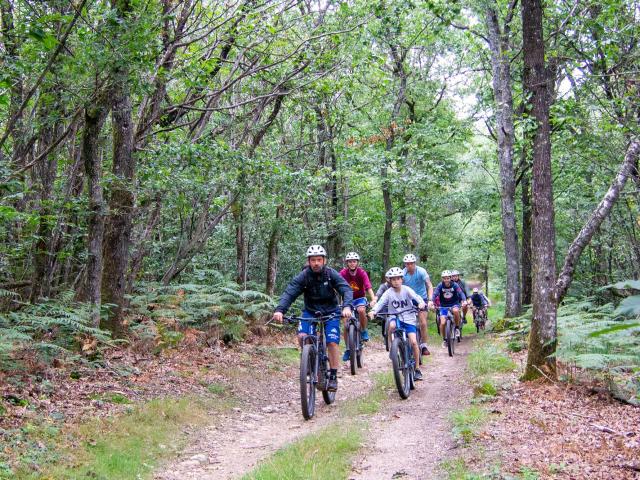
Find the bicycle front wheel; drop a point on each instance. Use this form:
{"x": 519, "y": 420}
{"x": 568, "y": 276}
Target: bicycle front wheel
{"x": 387, "y": 340}
{"x": 353, "y": 345}
{"x": 401, "y": 373}
{"x": 307, "y": 381}
{"x": 451, "y": 337}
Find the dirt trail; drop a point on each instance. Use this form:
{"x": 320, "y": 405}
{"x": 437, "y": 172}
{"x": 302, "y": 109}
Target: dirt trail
{"x": 262, "y": 425}
{"x": 410, "y": 438}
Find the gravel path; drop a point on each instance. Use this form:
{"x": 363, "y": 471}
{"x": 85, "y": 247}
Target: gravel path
{"x": 260, "y": 426}
{"x": 410, "y": 438}
{"x": 271, "y": 419}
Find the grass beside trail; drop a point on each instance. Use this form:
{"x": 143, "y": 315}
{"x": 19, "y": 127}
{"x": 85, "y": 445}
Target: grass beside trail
{"x": 372, "y": 402}
{"x": 126, "y": 446}
{"x": 323, "y": 455}
{"x": 327, "y": 454}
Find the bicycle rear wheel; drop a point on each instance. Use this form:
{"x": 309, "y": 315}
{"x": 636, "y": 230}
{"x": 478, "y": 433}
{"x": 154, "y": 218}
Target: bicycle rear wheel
{"x": 401, "y": 373}
{"x": 307, "y": 379}
{"x": 360, "y": 350}
{"x": 353, "y": 345}
{"x": 327, "y": 396}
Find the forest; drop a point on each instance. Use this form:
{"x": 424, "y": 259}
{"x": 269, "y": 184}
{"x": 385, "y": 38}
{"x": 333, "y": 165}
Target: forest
{"x": 164, "y": 165}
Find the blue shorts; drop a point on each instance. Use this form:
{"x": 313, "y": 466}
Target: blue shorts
{"x": 445, "y": 310}
{"x": 331, "y": 327}
{"x": 407, "y": 327}
{"x": 359, "y": 302}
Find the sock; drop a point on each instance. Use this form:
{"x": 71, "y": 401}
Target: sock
{"x": 333, "y": 372}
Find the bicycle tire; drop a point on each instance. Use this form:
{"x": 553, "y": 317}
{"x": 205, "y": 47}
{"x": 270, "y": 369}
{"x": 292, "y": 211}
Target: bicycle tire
{"x": 451, "y": 340}
{"x": 327, "y": 396}
{"x": 400, "y": 372}
{"x": 360, "y": 350}
{"x": 351, "y": 337}
{"x": 307, "y": 387}
{"x": 387, "y": 341}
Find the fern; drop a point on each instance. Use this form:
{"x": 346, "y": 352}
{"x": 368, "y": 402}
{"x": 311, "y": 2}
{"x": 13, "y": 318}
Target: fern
{"x": 224, "y": 305}
{"x": 50, "y": 328}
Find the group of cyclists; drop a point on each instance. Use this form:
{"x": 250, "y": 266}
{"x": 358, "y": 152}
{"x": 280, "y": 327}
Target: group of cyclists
{"x": 405, "y": 291}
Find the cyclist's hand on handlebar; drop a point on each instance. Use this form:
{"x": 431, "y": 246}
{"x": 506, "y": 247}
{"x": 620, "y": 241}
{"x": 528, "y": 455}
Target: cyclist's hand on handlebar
{"x": 431, "y": 305}
{"x": 346, "y": 312}
{"x": 422, "y": 306}
{"x": 371, "y": 314}
{"x": 277, "y": 317}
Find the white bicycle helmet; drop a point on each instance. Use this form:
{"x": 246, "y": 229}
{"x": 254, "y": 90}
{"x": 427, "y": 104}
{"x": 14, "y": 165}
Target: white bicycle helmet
{"x": 445, "y": 273}
{"x": 475, "y": 290}
{"x": 352, "y": 256}
{"x": 316, "y": 250}
{"x": 454, "y": 273}
{"x": 394, "y": 272}
{"x": 409, "y": 258}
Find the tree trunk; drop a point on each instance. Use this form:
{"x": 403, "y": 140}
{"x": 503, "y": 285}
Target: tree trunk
{"x": 399, "y": 72}
{"x": 486, "y": 276}
{"x": 44, "y": 174}
{"x": 527, "y": 284}
{"x": 272, "y": 253}
{"x": 500, "y": 63}
{"x": 241, "y": 244}
{"x": 121, "y": 201}
{"x": 91, "y": 157}
{"x": 543, "y": 336}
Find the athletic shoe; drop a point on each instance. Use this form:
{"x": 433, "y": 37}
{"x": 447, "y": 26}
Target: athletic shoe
{"x": 365, "y": 336}
{"x": 457, "y": 333}
{"x": 444, "y": 344}
{"x": 332, "y": 385}
{"x": 424, "y": 349}
{"x": 346, "y": 356}
{"x": 417, "y": 375}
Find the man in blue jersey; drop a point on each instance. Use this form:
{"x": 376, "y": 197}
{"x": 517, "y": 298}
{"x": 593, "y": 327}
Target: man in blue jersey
{"x": 418, "y": 279}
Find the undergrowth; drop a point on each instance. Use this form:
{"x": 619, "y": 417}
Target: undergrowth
{"x": 601, "y": 341}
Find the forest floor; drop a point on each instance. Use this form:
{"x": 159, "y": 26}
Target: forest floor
{"x": 460, "y": 422}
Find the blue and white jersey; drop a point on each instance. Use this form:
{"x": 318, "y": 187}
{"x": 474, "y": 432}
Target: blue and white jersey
{"x": 449, "y": 296}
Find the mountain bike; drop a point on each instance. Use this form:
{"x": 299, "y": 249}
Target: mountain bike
{"x": 479, "y": 318}
{"x": 450, "y": 331}
{"x": 355, "y": 343}
{"x": 401, "y": 353}
{"x": 314, "y": 365}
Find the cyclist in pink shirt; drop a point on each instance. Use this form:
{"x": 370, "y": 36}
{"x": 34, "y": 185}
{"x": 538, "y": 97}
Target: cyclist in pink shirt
{"x": 359, "y": 282}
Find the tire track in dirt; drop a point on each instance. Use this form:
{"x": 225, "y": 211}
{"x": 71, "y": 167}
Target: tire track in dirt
{"x": 262, "y": 424}
{"x": 409, "y": 438}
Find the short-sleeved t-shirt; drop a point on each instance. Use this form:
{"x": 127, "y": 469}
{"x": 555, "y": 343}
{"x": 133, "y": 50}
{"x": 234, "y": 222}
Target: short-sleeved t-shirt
{"x": 398, "y": 302}
{"x": 417, "y": 281}
{"x": 359, "y": 282}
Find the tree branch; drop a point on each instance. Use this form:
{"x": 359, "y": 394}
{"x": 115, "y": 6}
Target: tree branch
{"x": 595, "y": 220}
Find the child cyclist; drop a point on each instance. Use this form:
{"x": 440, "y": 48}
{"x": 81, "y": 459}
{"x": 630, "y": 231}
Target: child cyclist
{"x": 397, "y": 299}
